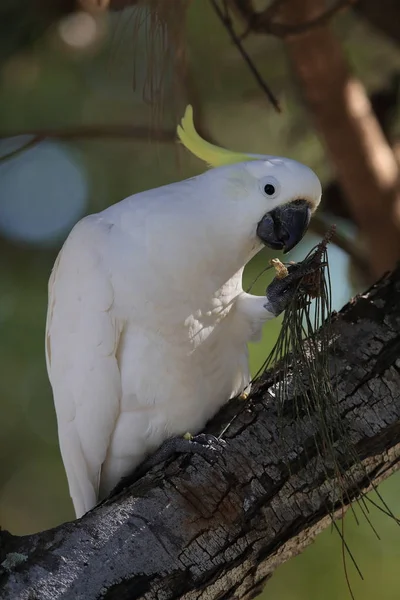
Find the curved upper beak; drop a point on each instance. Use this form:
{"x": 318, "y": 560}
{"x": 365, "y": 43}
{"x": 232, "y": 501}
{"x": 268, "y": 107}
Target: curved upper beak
{"x": 284, "y": 227}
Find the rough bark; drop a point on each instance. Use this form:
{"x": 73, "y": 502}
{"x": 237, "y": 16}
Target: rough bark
{"x": 190, "y": 529}
{"x": 363, "y": 160}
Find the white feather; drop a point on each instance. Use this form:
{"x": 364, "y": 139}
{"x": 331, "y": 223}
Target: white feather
{"x": 148, "y": 324}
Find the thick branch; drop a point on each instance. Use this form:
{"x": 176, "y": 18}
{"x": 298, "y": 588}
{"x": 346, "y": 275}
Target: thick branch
{"x": 190, "y": 529}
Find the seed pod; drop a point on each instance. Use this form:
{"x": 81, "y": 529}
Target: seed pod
{"x": 280, "y": 270}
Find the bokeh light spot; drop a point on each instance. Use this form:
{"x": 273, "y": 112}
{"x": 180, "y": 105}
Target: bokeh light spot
{"x": 43, "y": 192}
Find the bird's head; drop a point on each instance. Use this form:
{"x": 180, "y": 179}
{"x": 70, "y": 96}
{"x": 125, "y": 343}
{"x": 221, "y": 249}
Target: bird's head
{"x": 271, "y": 197}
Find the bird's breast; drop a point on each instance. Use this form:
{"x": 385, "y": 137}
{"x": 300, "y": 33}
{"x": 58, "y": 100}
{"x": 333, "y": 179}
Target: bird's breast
{"x": 182, "y": 376}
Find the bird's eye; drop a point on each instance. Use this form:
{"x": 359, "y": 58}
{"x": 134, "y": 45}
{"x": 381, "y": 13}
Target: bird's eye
{"x": 269, "y": 189}
{"x": 269, "y": 186}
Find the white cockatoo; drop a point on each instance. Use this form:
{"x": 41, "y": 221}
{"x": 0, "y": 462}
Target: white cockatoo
{"x": 148, "y": 324}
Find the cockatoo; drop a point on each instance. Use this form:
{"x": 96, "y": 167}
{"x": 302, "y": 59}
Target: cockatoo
{"x": 148, "y": 324}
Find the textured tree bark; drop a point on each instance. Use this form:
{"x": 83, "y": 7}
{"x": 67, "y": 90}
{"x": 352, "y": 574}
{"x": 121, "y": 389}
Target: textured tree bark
{"x": 190, "y": 529}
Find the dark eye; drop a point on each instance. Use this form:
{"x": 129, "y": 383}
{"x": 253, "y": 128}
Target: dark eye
{"x": 269, "y": 189}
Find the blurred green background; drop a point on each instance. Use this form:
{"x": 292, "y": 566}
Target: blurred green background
{"x": 81, "y": 72}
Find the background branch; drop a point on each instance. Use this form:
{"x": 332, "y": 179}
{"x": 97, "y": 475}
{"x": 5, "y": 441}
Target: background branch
{"x": 263, "y": 22}
{"x": 319, "y": 226}
{"x": 226, "y": 20}
{"x": 190, "y": 529}
{"x": 88, "y": 132}
{"x": 97, "y": 131}
{"x": 361, "y": 156}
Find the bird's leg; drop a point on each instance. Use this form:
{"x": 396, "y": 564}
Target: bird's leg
{"x": 204, "y": 444}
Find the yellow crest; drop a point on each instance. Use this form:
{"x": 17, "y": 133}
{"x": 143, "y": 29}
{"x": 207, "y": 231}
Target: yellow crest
{"x": 214, "y": 156}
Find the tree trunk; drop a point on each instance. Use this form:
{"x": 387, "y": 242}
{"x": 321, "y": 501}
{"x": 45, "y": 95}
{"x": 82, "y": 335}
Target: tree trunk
{"x": 362, "y": 157}
{"x": 190, "y": 529}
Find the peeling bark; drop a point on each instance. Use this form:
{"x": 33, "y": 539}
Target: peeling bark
{"x": 190, "y": 529}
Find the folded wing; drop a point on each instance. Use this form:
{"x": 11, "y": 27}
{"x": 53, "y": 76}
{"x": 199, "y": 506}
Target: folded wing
{"x": 82, "y": 336}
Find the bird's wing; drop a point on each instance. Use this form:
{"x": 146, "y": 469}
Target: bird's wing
{"x": 82, "y": 336}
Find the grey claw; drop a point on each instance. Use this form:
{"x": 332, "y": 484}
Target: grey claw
{"x": 209, "y": 442}
{"x": 208, "y": 439}
{"x": 280, "y": 292}
{"x": 205, "y": 444}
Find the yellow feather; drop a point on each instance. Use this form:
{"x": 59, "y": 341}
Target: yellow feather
{"x": 214, "y": 156}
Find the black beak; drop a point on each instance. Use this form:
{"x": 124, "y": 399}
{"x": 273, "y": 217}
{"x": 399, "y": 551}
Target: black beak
{"x": 284, "y": 227}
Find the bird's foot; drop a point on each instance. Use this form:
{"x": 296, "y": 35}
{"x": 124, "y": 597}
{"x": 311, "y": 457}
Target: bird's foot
{"x": 282, "y": 290}
{"x": 204, "y": 444}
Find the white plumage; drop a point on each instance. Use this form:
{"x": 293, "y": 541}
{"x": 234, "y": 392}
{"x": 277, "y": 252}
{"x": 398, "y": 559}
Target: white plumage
{"x": 148, "y": 325}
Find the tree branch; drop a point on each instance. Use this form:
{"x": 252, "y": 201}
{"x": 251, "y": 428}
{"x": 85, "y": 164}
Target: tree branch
{"x": 97, "y": 131}
{"x": 263, "y": 22}
{"x": 226, "y": 21}
{"x": 131, "y": 132}
{"x": 190, "y": 529}
{"x": 361, "y": 156}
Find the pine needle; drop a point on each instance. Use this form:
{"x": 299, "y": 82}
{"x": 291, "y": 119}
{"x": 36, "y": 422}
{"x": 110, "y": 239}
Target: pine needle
{"x": 303, "y": 384}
